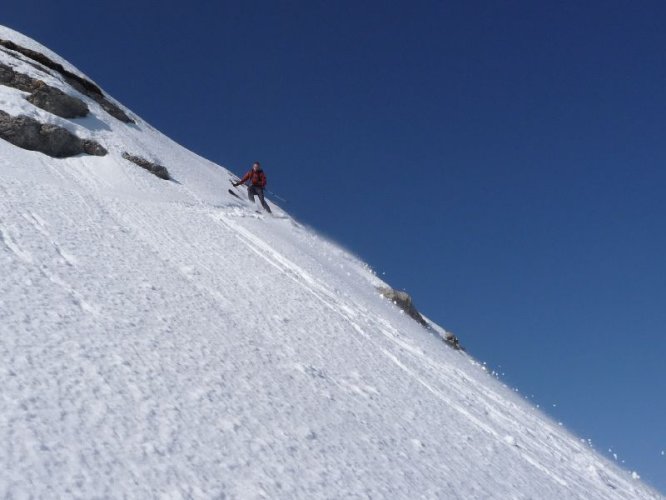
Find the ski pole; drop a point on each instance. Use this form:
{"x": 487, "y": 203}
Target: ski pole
{"x": 276, "y": 196}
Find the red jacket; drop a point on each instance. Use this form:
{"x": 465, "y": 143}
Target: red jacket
{"x": 256, "y": 177}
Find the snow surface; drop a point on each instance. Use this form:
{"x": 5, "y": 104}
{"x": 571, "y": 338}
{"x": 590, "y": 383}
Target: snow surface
{"x": 166, "y": 340}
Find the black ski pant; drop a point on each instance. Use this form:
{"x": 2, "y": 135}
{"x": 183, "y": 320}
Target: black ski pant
{"x": 258, "y": 191}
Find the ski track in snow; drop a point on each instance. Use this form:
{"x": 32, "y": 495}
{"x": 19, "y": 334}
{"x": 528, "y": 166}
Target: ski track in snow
{"x": 167, "y": 340}
{"x": 328, "y": 298}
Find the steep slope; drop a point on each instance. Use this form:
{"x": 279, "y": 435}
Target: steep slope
{"x": 163, "y": 339}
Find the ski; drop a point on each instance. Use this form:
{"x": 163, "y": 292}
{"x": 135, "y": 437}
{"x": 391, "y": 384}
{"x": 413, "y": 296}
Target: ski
{"x": 234, "y": 192}
{"x": 264, "y": 212}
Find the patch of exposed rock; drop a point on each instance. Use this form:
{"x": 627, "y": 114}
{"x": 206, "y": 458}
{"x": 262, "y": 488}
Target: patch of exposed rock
{"x": 109, "y": 107}
{"x": 81, "y": 84}
{"x": 26, "y": 60}
{"x": 154, "y": 168}
{"x": 404, "y": 302}
{"x": 57, "y": 102}
{"x": 52, "y": 140}
{"x": 11, "y": 78}
{"x": 45, "y": 61}
{"x": 453, "y": 341}
{"x": 42, "y": 95}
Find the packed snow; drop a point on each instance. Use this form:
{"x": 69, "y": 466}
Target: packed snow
{"x": 165, "y": 339}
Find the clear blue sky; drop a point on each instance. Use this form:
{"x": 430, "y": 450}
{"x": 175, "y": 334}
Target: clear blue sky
{"x": 503, "y": 161}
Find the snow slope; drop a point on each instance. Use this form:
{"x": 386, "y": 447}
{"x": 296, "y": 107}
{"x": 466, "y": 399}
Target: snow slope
{"x": 164, "y": 340}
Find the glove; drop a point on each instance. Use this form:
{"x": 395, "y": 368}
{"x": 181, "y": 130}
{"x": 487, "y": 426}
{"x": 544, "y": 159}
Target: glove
{"x": 236, "y": 184}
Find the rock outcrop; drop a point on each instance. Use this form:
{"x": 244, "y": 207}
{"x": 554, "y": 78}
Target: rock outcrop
{"x": 57, "y": 102}
{"x": 81, "y": 84}
{"x": 453, "y": 341}
{"x": 52, "y": 140}
{"x": 154, "y": 168}
{"x": 11, "y": 78}
{"x": 42, "y": 95}
{"x": 404, "y": 302}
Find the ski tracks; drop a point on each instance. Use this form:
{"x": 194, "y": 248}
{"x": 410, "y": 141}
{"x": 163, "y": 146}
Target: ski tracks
{"x": 38, "y": 251}
{"x": 207, "y": 260}
{"x": 487, "y": 403}
{"x": 12, "y": 246}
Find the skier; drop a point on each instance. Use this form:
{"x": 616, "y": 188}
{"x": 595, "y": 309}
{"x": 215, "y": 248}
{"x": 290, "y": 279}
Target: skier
{"x": 257, "y": 179}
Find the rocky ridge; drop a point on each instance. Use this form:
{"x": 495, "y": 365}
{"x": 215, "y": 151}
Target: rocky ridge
{"x": 55, "y": 140}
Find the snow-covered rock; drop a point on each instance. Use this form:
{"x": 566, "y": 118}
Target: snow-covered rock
{"x": 27, "y": 133}
{"x": 166, "y": 340}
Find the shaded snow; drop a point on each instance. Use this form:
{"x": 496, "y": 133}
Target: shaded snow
{"x": 165, "y": 339}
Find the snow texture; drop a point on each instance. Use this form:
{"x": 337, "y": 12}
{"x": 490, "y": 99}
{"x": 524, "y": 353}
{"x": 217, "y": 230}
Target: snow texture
{"x": 163, "y": 339}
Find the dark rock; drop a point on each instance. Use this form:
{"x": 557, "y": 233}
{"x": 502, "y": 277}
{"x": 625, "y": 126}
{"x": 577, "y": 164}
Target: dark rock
{"x": 52, "y": 140}
{"x": 93, "y": 148}
{"x": 453, "y": 341}
{"x": 57, "y": 141}
{"x": 42, "y": 95}
{"x": 404, "y": 302}
{"x": 81, "y": 84}
{"x": 11, "y": 78}
{"x": 87, "y": 85}
{"x": 21, "y": 57}
{"x": 154, "y": 168}
{"x": 57, "y": 102}
{"x": 114, "y": 110}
